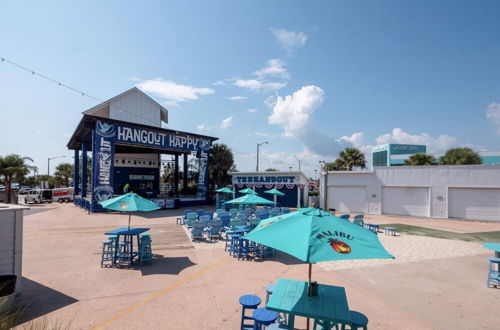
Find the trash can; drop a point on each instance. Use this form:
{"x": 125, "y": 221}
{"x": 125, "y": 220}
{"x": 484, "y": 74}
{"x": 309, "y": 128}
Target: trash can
{"x": 7, "y": 289}
{"x": 332, "y": 211}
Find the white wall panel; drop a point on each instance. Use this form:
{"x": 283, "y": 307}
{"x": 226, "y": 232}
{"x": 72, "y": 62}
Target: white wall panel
{"x": 347, "y": 199}
{"x": 412, "y": 201}
{"x": 474, "y": 203}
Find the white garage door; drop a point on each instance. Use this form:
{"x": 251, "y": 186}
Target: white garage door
{"x": 347, "y": 199}
{"x": 474, "y": 203}
{"x": 412, "y": 201}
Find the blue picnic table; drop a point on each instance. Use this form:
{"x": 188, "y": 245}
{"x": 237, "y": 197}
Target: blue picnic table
{"x": 493, "y": 246}
{"x": 290, "y": 296}
{"x": 127, "y": 233}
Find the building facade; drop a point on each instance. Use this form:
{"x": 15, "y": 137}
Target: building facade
{"x": 394, "y": 154}
{"x": 292, "y": 184}
{"x": 464, "y": 192}
{"x": 126, "y": 139}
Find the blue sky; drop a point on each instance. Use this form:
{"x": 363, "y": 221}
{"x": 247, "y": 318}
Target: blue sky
{"x": 309, "y": 77}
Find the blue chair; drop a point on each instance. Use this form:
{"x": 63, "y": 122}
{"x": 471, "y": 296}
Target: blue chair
{"x": 200, "y": 212}
{"x": 197, "y": 230}
{"x": 191, "y": 217}
{"x": 275, "y": 212}
{"x": 285, "y": 210}
{"x": 226, "y": 220}
{"x": 215, "y": 229}
{"x": 263, "y": 317}
{"x": 345, "y": 217}
{"x": 493, "y": 272}
{"x": 390, "y": 231}
{"x": 263, "y": 216}
{"x": 233, "y": 212}
{"x": 235, "y": 242}
{"x": 248, "y": 301}
{"x": 358, "y": 220}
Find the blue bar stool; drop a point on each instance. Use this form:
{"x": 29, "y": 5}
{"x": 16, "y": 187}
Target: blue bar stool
{"x": 146, "y": 253}
{"x": 358, "y": 320}
{"x": 493, "y": 272}
{"x": 108, "y": 253}
{"x": 262, "y": 317}
{"x": 124, "y": 256}
{"x": 229, "y": 234}
{"x": 248, "y": 301}
{"x": 243, "y": 249}
{"x": 235, "y": 241}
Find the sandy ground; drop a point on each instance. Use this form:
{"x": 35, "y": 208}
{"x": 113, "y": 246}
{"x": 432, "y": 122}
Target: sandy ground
{"x": 433, "y": 283}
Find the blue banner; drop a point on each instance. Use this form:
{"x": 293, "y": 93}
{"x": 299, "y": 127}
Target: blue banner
{"x": 203, "y": 174}
{"x": 103, "y": 154}
{"x": 159, "y": 138}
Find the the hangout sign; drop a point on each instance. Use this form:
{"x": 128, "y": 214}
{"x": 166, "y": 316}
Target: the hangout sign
{"x": 266, "y": 179}
{"x": 106, "y": 134}
{"x": 158, "y": 139}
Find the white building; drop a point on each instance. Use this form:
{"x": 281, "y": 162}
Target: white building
{"x": 465, "y": 192}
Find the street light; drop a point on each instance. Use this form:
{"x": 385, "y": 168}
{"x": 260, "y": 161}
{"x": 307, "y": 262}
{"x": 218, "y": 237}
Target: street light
{"x": 258, "y": 146}
{"x": 48, "y": 162}
{"x": 298, "y": 161}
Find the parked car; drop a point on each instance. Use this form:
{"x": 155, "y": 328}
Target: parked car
{"x": 37, "y": 196}
{"x": 24, "y": 190}
{"x": 62, "y": 195}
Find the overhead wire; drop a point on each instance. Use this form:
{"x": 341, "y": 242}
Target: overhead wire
{"x": 61, "y": 84}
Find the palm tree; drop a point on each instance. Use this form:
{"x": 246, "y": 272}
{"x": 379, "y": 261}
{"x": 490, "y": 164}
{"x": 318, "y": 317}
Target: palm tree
{"x": 461, "y": 156}
{"x": 350, "y": 158}
{"x": 64, "y": 172}
{"x": 13, "y": 167}
{"x": 337, "y": 165}
{"x": 222, "y": 160}
{"x": 420, "y": 159}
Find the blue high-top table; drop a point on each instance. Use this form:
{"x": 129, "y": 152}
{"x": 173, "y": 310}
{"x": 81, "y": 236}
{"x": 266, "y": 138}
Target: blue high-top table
{"x": 493, "y": 246}
{"x": 128, "y": 233}
{"x": 290, "y": 296}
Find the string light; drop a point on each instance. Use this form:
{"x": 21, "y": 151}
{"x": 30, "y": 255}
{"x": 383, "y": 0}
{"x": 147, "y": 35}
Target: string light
{"x": 34, "y": 73}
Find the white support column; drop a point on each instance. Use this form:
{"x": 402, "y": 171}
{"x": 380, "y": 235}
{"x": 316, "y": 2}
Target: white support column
{"x": 298, "y": 195}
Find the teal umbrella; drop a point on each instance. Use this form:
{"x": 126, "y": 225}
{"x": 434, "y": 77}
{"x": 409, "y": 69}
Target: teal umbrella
{"x": 312, "y": 235}
{"x": 248, "y": 191}
{"x": 129, "y": 202}
{"x": 274, "y": 192}
{"x": 250, "y": 199}
{"x": 225, "y": 190}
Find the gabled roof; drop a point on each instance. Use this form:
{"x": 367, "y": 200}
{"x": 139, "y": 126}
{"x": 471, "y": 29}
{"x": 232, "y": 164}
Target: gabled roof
{"x": 101, "y": 108}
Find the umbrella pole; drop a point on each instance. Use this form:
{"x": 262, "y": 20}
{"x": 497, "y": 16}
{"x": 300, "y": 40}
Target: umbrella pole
{"x": 309, "y": 288}
{"x": 129, "y": 215}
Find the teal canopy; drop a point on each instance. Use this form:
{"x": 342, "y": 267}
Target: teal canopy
{"x": 129, "y": 202}
{"x": 225, "y": 190}
{"x": 247, "y": 191}
{"x": 312, "y": 235}
{"x": 274, "y": 191}
{"x": 250, "y": 199}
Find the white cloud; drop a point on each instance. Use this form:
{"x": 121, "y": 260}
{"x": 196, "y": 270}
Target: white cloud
{"x": 252, "y": 110}
{"x": 226, "y": 122}
{"x": 493, "y": 115}
{"x": 203, "y": 128}
{"x": 272, "y": 77}
{"x": 294, "y": 111}
{"x": 257, "y": 85}
{"x": 237, "y": 98}
{"x": 275, "y": 68}
{"x": 270, "y": 101}
{"x": 290, "y": 41}
{"x": 173, "y": 92}
{"x": 434, "y": 145}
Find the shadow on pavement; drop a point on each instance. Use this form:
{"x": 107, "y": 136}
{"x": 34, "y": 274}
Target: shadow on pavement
{"x": 38, "y": 300}
{"x": 164, "y": 265}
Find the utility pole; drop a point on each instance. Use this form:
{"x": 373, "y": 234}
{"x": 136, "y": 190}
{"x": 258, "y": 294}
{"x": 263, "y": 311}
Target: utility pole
{"x": 48, "y": 162}
{"x": 258, "y": 146}
{"x": 298, "y": 161}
